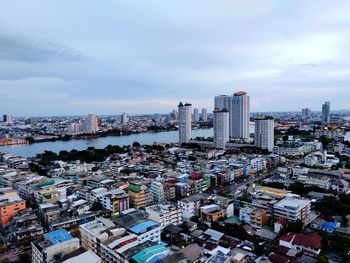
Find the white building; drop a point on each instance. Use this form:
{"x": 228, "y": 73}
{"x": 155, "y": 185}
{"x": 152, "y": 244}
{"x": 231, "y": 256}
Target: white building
{"x": 116, "y": 200}
{"x": 238, "y": 107}
{"x": 195, "y": 115}
{"x": 165, "y": 214}
{"x": 8, "y": 119}
{"x": 204, "y": 114}
{"x": 124, "y": 119}
{"x": 264, "y": 133}
{"x": 54, "y": 244}
{"x": 90, "y": 124}
{"x": 185, "y": 122}
{"x": 75, "y": 128}
{"x": 221, "y": 128}
{"x": 292, "y": 209}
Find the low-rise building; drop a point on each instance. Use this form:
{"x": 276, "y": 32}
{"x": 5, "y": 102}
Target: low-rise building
{"x": 165, "y": 214}
{"x": 53, "y": 246}
{"x": 292, "y": 209}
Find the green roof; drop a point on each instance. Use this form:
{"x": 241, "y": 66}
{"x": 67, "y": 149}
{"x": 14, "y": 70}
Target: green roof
{"x": 46, "y": 183}
{"x": 155, "y": 252}
{"x": 134, "y": 188}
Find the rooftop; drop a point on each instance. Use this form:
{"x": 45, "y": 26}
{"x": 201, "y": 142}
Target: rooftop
{"x": 58, "y": 236}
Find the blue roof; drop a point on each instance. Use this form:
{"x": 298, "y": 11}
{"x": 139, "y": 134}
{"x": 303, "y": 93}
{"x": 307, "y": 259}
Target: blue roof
{"x": 139, "y": 228}
{"x": 58, "y": 236}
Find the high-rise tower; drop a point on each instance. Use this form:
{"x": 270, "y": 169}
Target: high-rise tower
{"x": 185, "y": 122}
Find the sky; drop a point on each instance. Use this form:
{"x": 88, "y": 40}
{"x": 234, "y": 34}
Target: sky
{"x": 64, "y": 57}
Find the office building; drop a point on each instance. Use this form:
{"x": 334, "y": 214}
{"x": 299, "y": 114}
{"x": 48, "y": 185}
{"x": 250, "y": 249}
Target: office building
{"x": 326, "y": 113}
{"x": 195, "y": 115}
{"x": 221, "y": 128}
{"x": 90, "y": 124}
{"x": 204, "y": 114}
{"x": 185, "y": 120}
{"x": 238, "y": 106}
{"x": 264, "y": 133}
{"x": 124, "y": 119}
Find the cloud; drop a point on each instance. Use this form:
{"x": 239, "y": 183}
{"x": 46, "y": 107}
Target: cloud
{"x": 116, "y": 56}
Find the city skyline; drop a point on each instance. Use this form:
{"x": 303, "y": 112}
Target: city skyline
{"x": 286, "y": 55}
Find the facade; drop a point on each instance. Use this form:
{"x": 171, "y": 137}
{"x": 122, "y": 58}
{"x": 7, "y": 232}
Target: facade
{"x": 157, "y": 190}
{"x": 221, "y": 128}
{"x": 204, "y": 114}
{"x": 221, "y": 102}
{"x": 54, "y": 245}
{"x": 165, "y": 214}
{"x": 90, "y": 124}
{"x": 124, "y": 119}
{"x": 326, "y": 113}
{"x": 7, "y": 118}
{"x": 139, "y": 197}
{"x": 264, "y": 133}
{"x": 292, "y": 209}
{"x": 10, "y": 205}
{"x": 238, "y": 106}
{"x": 195, "y": 115}
{"x": 115, "y": 200}
{"x": 211, "y": 213}
{"x": 185, "y": 122}
{"x": 309, "y": 244}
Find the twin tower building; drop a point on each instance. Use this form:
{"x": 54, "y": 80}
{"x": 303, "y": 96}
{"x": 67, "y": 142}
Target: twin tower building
{"x": 231, "y": 121}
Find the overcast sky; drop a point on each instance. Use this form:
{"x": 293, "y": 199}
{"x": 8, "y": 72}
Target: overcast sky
{"x": 63, "y": 57}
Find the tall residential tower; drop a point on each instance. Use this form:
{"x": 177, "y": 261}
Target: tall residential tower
{"x": 238, "y": 106}
{"x": 221, "y": 128}
{"x": 264, "y": 133}
{"x": 185, "y": 122}
{"x": 326, "y": 113}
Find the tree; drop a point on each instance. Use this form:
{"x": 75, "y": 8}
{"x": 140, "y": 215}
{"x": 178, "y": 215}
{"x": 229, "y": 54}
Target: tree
{"x": 96, "y": 206}
{"x": 136, "y": 145}
{"x": 292, "y": 227}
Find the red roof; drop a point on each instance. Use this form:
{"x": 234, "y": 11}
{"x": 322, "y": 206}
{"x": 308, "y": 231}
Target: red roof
{"x": 196, "y": 176}
{"x": 278, "y": 258}
{"x": 312, "y": 240}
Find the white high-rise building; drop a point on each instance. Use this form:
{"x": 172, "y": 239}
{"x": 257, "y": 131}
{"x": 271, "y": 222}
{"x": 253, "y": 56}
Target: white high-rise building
{"x": 326, "y": 113}
{"x": 75, "y": 128}
{"x": 124, "y": 118}
{"x": 221, "y": 102}
{"x": 204, "y": 114}
{"x": 306, "y": 112}
{"x": 195, "y": 115}
{"x": 8, "y": 119}
{"x": 264, "y": 133}
{"x": 239, "y": 115}
{"x": 185, "y": 122}
{"x": 90, "y": 124}
{"x": 221, "y": 128}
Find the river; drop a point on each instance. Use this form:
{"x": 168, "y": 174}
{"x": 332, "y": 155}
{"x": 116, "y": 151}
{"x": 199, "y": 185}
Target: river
{"x": 32, "y": 150}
